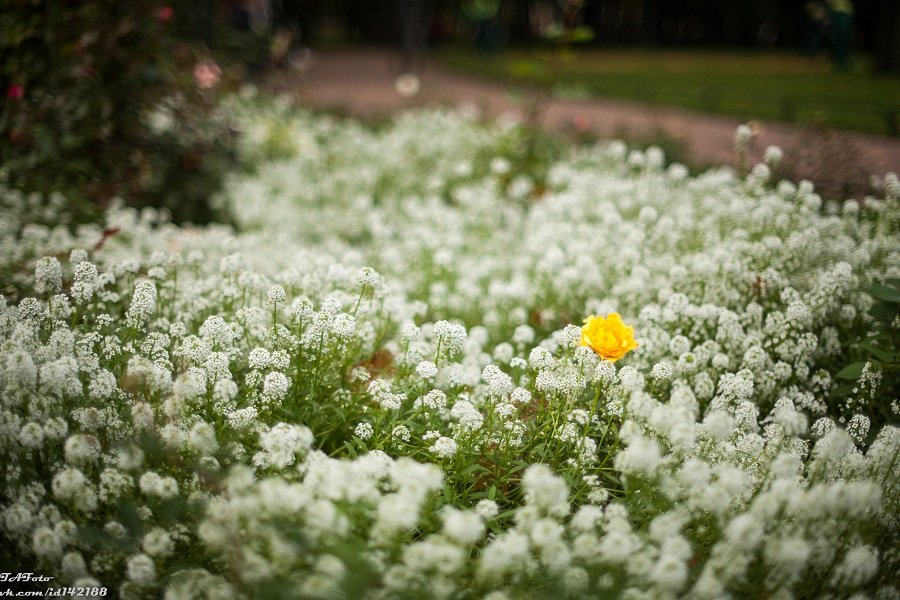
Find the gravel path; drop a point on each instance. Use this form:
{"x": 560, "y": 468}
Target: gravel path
{"x": 362, "y": 82}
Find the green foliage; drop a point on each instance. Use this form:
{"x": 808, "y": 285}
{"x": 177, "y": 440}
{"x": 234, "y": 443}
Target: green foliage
{"x": 99, "y": 100}
{"x": 875, "y": 371}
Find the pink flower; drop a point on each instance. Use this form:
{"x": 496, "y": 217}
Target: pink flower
{"x": 581, "y": 122}
{"x": 16, "y": 91}
{"x": 207, "y": 74}
{"x": 166, "y": 13}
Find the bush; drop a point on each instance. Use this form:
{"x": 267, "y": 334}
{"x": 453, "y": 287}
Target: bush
{"x": 102, "y": 99}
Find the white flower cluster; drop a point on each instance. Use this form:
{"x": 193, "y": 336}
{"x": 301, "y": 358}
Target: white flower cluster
{"x": 377, "y": 388}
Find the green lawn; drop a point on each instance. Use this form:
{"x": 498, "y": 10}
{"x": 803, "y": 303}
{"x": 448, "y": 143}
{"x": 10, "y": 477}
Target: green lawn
{"x": 751, "y": 85}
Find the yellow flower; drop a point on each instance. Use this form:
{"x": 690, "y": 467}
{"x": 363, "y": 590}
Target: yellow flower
{"x": 608, "y": 337}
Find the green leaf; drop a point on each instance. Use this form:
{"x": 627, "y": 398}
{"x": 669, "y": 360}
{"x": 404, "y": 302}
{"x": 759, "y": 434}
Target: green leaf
{"x": 170, "y": 511}
{"x": 879, "y": 353}
{"x": 851, "y": 371}
{"x": 350, "y": 449}
{"x": 883, "y": 292}
{"x": 130, "y": 518}
{"x": 506, "y": 514}
{"x": 884, "y": 311}
{"x": 882, "y": 336}
{"x": 842, "y": 391}
{"x": 473, "y": 469}
{"x": 519, "y": 466}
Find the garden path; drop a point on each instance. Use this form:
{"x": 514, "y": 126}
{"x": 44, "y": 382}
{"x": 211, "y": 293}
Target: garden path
{"x": 361, "y": 82}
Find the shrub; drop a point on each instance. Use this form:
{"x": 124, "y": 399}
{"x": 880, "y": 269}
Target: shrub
{"x": 99, "y": 99}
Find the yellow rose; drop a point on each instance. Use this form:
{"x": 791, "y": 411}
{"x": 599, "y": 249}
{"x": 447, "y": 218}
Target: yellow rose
{"x": 608, "y": 337}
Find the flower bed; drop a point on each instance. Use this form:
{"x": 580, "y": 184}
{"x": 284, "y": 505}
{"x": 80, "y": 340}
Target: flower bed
{"x": 381, "y": 387}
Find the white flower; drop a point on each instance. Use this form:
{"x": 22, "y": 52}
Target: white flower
{"x": 21, "y": 372}
{"x": 500, "y": 165}
{"x": 275, "y": 387}
{"x": 259, "y": 358}
{"x": 444, "y": 447}
{"x": 636, "y": 159}
{"x": 503, "y": 353}
{"x": 364, "y": 431}
{"x": 760, "y": 173}
{"x": 102, "y": 385}
{"x": 410, "y": 332}
{"x": 368, "y": 277}
{"x": 545, "y": 491}
{"x": 540, "y": 358}
{"x": 31, "y": 435}
{"x": 858, "y": 427}
{"x": 203, "y": 438}
{"x": 275, "y": 295}
{"x": 157, "y": 542}
{"x": 48, "y": 275}
{"x": 69, "y": 483}
{"x": 190, "y": 384}
{"x": 73, "y": 566}
{"x": 46, "y": 543}
{"x": 400, "y": 432}
{"x": 642, "y": 456}
{"x": 791, "y": 420}
{"x": 280, "y": 360}
{"x": 498, "y": 382}
{"x": 571, "y": 336}
{"x": 604, "y": 373}
{"x": 743, "y": 134}
{"x": 427, "y": 369}
{"x": 487, "y": 509}
{"x": 463, "y": 527}
{"x": 216, "y": 334}
{"x": 152, "y": 484}
{"x": 546, "y": 382}
{"x": 520, "y": 396}
{"x": 648, "y": 215}
{"x": 82, "y": 449}
{"x": 141, "y": 570}
{"x": 467, "y": 415}
{"x": 280, "y": 445}
{"x": 84, "y": 282}
{"x": 524, "y": 334}
{"x": 508, "y": 552}
{"x": 661, "y": 372}
{"x": 772, "y": 156}
{"x": 143, "y": 303}
{"x": 448, "y": 337}
{"x": 433, "y": 400}
{"x": 860, "y": 565}
{"x": 243, "y": 418}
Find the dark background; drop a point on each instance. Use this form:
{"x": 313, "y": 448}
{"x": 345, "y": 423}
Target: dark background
{"x": 667, "y": 23}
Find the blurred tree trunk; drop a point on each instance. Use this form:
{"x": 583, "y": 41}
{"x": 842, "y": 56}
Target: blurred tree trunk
{"x": 520, "y": 24}
{"x": 650, "y": 23}
{"x": 887, "y": 37}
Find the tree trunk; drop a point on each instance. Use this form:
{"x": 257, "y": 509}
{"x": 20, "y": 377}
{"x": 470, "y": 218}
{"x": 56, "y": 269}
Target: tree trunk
{"x": 650, "y": 23}
{"x": 887, "y": 37}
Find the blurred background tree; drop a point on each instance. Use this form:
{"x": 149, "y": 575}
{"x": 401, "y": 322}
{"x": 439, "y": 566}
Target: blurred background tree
{"x": 737, "y": 23}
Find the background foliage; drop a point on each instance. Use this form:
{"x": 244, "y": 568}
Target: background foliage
{"x": 98, "y": 99}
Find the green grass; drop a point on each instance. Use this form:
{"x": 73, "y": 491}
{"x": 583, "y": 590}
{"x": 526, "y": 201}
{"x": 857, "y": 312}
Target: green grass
{"x": 750, "y": 85}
